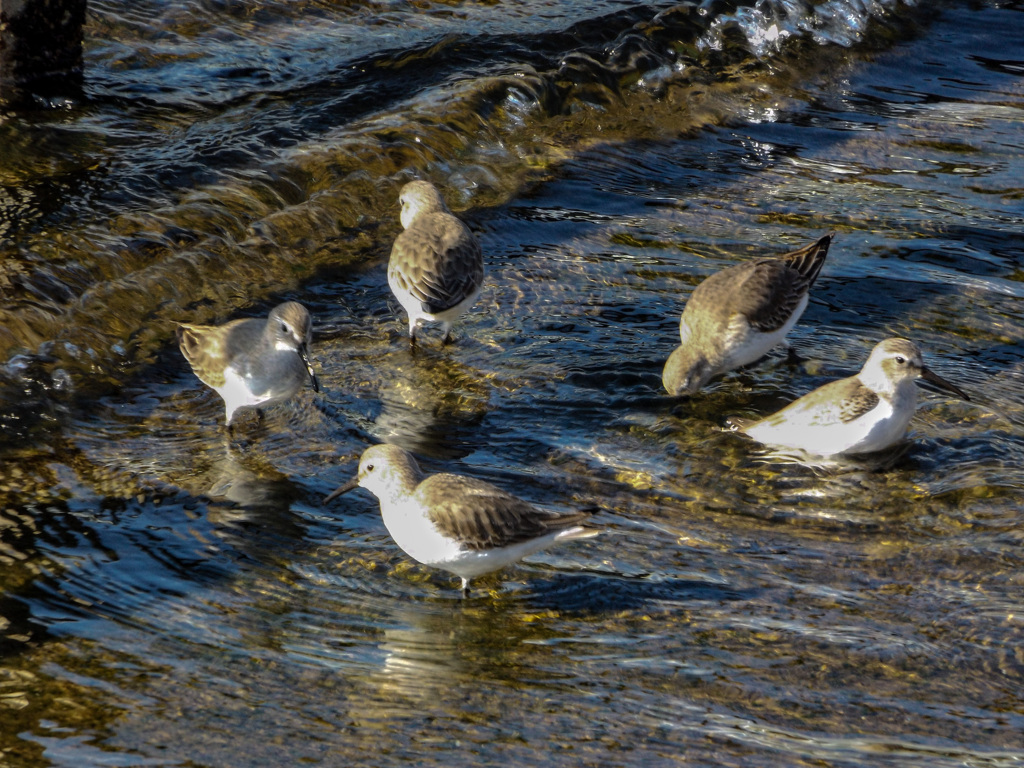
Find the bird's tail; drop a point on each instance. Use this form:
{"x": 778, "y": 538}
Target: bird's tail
{"x": 809, "y": 259}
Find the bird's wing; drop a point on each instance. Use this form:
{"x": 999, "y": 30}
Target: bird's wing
{"x": 768, "y": 291}
{"x": 769, "y": 294}
{"x": 205, "y": 346}
{"x": 482, "y": 516}
{"x": 838, "y": 402}
{"x": 440, "y": 263}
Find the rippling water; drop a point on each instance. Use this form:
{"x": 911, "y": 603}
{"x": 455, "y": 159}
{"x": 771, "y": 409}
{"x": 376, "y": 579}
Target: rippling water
{"x": 169, "y": 597}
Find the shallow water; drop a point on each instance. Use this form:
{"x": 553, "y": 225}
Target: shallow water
{"x": 170, "y": 597}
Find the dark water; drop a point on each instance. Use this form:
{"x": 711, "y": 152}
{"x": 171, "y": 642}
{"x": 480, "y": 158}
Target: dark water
{"x": 168, "y": 597}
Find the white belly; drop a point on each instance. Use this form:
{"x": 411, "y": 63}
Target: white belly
{"x": 419, "y": 539}
{"x": 744, "y": 345}
{"x": 236, "y": 393}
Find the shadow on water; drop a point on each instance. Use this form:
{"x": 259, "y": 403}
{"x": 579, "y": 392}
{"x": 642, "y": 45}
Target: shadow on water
{"x": 430, "y": 403}
{"x": 250, "y": 503}
{"x": 605, "y": 593}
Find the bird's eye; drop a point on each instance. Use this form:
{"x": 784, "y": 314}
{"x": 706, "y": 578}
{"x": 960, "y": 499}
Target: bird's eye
{"x": 285, "y": 328}
{"x": 369, "y": 467}
{"x": 900, "y": 359}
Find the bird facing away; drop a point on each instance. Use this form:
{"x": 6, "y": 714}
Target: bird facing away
{"x": 861, "y": 414}
{"x": 735, "y": 316}
{"x": 252, "y": 362}
{"x": 459, "y": 524}
{"x": 436, "y": 267}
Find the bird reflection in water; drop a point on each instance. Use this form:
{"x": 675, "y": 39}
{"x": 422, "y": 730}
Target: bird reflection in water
{"x": 430, "y": 403}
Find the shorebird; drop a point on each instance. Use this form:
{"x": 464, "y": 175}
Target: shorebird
{"x": 861, "y": 414}
{"x": 252, "y": 362}
{"x": 436, "y": 267}
{"x": 737, "y": 315}
{"x": 459, "y": 524}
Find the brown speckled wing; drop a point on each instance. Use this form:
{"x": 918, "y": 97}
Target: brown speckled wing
{"x": 838, "y": 402}
{"x": 769, "y": 295}
{"x": 483, "y": 516}
{"x": 205, "y": 346}
{"x": 857, "y": 403}
{"x": 774, "y": 287}
{"x": 438, "y": 261}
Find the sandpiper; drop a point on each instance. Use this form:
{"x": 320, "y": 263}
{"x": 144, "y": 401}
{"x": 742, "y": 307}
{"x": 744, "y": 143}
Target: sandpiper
{"x": 436, "y": 266}
{"x": 861, "y": 414}
{"x": 737, "y": 315}
{"x": 252, "y": 362}
{"x": 459, "y": 524}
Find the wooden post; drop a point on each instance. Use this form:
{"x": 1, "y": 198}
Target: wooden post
{"x": 40, "y": 48}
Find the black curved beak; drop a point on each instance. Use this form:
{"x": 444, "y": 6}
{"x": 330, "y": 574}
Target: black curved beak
{"x": 938, "y": 381}
{"x": 309, "y": 368}
{"x": 341, "y": 489}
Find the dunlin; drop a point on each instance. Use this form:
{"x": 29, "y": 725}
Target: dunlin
{"x": 737, "y": 315}
{"x": 861, "y": 414}
{"x": 252, "y": 362}
{"x": 436, "y": 267}
{"x": 459, "y": 524}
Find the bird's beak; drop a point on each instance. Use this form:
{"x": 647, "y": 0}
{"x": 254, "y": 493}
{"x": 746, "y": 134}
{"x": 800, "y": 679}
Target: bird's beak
{"x": 938, "y": 381}
{"x": 309, "y": 368}
{"x": 341, "y": 489}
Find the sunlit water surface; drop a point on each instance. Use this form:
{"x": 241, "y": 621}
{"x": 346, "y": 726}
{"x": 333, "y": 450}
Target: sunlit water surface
{"x": 173, "y": 597}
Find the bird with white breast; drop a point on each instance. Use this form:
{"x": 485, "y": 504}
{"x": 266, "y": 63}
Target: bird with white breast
{"x": 252, "y": 362}
{"x": 436, "y": 267}
{"x": 865, "y": 413}
{"x": 459, "y": 524}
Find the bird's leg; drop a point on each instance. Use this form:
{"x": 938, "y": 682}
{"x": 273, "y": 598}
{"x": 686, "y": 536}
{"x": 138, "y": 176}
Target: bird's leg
{"x": 465, "y": 588}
